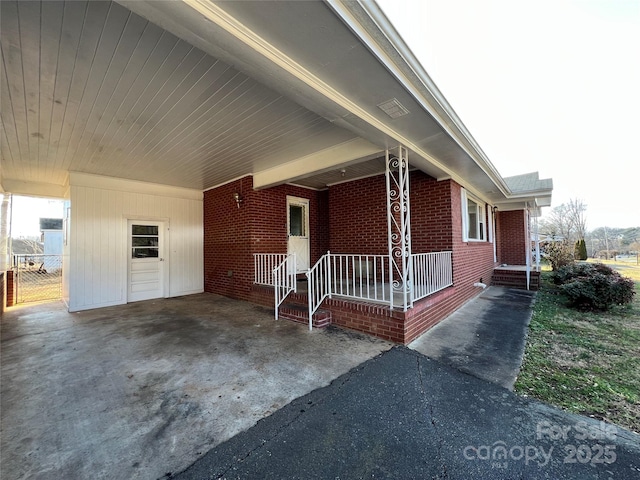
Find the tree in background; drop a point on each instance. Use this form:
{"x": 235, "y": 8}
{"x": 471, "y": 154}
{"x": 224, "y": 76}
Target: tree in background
{"x": 581, "y": 250}
{"x": 634, "y": 248}
{"x": 567, "y": 221}
{"x": 577, "y": 213}
{"x": 557, "y": 224}
{"x": 605, "y": 242}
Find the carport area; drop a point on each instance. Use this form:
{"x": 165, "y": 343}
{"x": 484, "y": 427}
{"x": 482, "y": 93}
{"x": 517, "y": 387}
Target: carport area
{"x": 144, "y": 389}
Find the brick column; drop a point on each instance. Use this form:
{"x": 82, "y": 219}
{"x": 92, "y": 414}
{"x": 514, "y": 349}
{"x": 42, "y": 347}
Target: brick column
{"x": 11, "y": 289}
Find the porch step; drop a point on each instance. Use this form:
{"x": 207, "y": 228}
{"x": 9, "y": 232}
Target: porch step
{"x": 515, "y": 279}
{"x": 300, "y": 313}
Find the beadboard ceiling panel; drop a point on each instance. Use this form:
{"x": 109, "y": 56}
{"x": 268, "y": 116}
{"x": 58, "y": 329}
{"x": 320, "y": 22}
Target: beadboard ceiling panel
{"x": 92, "y": 87}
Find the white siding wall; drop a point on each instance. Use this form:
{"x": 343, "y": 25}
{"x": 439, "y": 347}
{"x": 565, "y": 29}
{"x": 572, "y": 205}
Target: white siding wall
{"x": 100, "y": 210}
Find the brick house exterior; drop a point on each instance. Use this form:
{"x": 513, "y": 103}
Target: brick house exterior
{"x": 351, "y": 218}
{"x": 203, "y": 136}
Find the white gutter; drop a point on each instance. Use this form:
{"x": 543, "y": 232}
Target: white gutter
{"x": 452, "y": 123}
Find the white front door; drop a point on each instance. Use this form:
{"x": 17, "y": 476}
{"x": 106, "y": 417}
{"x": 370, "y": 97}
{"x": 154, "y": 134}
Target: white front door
{"x": 146, "y": 262}
{"x": 298, "y": 231}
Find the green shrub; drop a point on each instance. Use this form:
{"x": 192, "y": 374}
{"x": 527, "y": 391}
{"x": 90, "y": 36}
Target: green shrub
{"x": 589, "y": 286}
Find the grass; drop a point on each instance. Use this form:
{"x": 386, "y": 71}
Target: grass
{"x": 585, "y": 362}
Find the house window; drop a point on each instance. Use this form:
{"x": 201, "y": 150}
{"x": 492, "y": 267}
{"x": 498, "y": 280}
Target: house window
{"x": 296, "y": 221}
{"x": 473, "y": 218}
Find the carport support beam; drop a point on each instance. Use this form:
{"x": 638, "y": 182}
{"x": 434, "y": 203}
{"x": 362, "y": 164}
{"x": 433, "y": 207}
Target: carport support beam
{"x": 399, "y": 226}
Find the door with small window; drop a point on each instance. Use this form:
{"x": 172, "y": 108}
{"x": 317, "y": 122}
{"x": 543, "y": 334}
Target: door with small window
{"x": 298, "y": 231}
{"x": 146, "y": 260}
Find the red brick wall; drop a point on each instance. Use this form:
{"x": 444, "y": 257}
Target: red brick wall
{"x": 11, "y": 288}
{"x": 512, "y": 236}
{"x": 431, "y": 220}
{"x": 358, "y": 217}
{"x": 227, "y": 247}
{"x": 472, "y": 262}
{"x": 232, "y": 235}
{"x": 3, "y": 297}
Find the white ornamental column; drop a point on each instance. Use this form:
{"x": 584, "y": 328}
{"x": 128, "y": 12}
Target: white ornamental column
{"x": 399, "y": 227}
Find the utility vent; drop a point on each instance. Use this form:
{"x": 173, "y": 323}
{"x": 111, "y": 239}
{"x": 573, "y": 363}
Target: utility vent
{"x": 393, "y": 108}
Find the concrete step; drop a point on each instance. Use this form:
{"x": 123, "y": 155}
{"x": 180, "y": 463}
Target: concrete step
{"x": 298, "y": 312}
{"x": 515, "y": 279}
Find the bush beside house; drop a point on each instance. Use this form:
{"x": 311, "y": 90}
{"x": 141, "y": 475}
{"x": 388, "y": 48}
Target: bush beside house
{"x": 593, "y": 286}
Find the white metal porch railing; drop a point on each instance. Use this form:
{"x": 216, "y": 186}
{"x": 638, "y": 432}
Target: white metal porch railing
{"x": 431, "y": 272}
{"x": 366, "y": 277}
{"x": 284, "y": 280}
{"x": 264, "y": 265}
{"x": 361, "y": 277}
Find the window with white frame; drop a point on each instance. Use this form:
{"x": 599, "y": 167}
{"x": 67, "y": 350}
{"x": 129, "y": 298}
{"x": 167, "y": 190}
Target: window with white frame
{"x": 473, "y": 218}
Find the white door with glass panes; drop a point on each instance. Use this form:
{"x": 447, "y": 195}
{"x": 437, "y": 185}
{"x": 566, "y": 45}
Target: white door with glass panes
{"x": 298, "y": 231}
{"x": 146, "y": 262}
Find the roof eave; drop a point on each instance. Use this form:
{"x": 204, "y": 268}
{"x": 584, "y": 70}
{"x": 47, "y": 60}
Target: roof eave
{"x": 397, "y": 57}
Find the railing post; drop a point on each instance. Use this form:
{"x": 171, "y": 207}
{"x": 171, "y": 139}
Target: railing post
{"x": 294, "y": 273}
{"x": 310, "y": 297}
{"x": 275, "y": 290}
{"x": 329, "y": 289}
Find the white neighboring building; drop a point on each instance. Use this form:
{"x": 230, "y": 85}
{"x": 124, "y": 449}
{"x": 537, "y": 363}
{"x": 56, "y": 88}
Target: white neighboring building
{"x": 53, "y": 239}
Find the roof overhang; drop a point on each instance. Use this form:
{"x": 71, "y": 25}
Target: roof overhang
{"x": 274, "y": 46}
{"x": 340, "y": 60}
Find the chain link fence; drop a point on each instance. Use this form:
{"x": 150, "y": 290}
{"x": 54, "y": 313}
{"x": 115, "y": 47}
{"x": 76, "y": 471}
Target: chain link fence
{"x": 38, "y": 277}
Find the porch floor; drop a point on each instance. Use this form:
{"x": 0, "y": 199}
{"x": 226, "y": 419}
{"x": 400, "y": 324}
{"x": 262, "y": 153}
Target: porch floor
{"x": 515, "y": 268}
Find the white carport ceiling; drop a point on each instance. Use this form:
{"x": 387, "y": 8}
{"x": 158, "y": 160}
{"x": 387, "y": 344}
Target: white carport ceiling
{"x": 194, "y": 93}
{"x": 92, "y": 87}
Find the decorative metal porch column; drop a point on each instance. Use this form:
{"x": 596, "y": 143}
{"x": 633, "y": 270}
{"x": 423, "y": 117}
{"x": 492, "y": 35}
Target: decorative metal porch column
{"x": 399, "y": 227}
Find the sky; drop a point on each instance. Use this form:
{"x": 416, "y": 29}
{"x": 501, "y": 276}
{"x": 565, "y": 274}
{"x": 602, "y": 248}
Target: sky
{"x": 551, "y": 86}
{"x": 26, "y": 213}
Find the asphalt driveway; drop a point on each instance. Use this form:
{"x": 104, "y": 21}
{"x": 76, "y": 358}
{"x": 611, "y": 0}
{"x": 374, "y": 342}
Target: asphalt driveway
{"x": 141, "y": 390}
{"x": 404, "y": 416}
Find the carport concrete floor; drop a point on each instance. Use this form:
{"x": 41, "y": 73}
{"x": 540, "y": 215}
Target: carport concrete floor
{"x": 145, "y": 389}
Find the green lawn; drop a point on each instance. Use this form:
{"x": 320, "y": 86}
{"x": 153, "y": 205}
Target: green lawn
{"x": 584, "y": 362}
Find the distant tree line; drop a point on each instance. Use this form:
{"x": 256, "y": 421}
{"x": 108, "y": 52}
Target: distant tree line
{"x": 566, "y": 225}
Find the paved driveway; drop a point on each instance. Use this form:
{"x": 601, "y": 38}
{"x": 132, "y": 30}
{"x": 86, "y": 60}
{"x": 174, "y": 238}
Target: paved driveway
{"x": 141, "y": 390}
{"x": 402, "y": 415}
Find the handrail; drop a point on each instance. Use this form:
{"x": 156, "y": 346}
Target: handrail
{"x": 284, "y": 280}
{"x": 319, "y": 281}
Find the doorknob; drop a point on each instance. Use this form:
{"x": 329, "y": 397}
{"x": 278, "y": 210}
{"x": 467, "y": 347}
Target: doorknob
{"x": 162, "y": 259}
